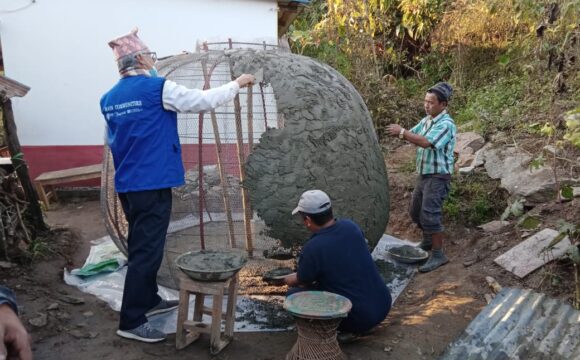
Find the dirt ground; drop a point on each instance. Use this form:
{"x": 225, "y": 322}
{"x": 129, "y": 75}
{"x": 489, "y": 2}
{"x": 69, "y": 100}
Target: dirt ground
{"x": 433, "y": 310}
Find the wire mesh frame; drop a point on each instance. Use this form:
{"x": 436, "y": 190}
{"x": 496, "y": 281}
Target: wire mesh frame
{"x": 230, "y": 134}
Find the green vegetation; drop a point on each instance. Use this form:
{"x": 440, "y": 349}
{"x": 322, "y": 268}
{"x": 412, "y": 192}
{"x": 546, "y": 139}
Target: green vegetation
{"x": 474, "y": 200}
{"x": 514, "y": 66}
{"x": 512, "y": 63}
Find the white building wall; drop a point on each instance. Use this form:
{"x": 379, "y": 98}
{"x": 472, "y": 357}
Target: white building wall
{"x": 59, "y": 48}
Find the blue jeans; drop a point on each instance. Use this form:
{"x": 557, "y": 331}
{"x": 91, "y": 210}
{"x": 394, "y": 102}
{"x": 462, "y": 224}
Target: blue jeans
{"x": 148, "y": 214}
{"x": 428, "y": 197}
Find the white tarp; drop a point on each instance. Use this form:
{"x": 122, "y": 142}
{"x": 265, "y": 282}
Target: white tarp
{"x": 253, "y": 313}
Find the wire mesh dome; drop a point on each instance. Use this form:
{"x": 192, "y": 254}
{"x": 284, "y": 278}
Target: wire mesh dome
{"x": 247, "y": 162}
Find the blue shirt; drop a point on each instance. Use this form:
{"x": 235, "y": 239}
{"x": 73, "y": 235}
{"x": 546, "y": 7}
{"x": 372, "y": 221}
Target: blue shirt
{"x": 338, "y": 259}
{"x": 440, "y": 131}
{"x": 142, "y": 135}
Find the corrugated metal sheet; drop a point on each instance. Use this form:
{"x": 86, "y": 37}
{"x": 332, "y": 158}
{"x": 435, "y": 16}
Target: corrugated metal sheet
{"x": 11, "y": 88}
{"x": 520, "y": 324}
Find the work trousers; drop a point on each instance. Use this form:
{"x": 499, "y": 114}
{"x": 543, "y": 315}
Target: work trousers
{"x": 427, "y": 202}
{"x": 148, "y": 214}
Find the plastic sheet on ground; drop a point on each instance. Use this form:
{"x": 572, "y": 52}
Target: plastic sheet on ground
{"x": 396, "y": 275}
{"x": 253, "y": 313}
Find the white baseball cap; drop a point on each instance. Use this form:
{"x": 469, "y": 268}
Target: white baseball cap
{"x": 312, "y": 202}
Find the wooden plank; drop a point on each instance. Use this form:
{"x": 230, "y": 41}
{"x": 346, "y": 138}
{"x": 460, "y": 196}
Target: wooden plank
{"x": 11, "y": 88}
{"x": 73, "y": 174}
{"x": 528, "y": 255}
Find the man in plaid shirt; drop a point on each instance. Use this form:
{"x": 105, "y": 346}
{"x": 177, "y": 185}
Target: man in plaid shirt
{"x": 435, "y": 137}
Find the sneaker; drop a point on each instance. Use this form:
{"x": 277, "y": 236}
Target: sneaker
{"x": 144, "y": 333}
{"x": 433, "y": 263}
{"x": 163, "y": 307}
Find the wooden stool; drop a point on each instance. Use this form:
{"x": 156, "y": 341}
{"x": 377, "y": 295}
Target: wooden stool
{"x": 189, "y": 330}
{"x": 318, "y": 314}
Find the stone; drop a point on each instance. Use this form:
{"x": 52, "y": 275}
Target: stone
{"x": 6, "y": 265}
{"x": 576, "y": 191}
{"x": 72, "y": 299}
{"x": 479, "y": 156}
{"x": 63, "y": 315}
{"x": 518, "y": 178}
{"x": 88, "y": 314}
{"x": 551, "y": 149}
{"x": 52, "y": 306}
{"x": 465, "y": 159}
{"x": 529, "y": 255}
{"x": 40, "y": 321}
{"x": 83, "y": 334}
{"x": 466, "y": 170}
{"x": 468, "y": 140}
{"x": 494, "y": 227}
{"x": 488, "y": 298}
{"x": 499, "y": 162}
{"x": 468, "y": 263}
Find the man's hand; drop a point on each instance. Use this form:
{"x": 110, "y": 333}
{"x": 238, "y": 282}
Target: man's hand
{"x": 146, "y": 61}
{"x": 15, "y": 340}
{"x": 245, "y": 80}
{"x": 291, "y": 280}
{"x": 394, "y": 129}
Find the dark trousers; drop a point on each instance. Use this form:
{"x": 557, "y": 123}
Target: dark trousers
{"x": 148, "y": 214}
{"x": 427, "y": 202}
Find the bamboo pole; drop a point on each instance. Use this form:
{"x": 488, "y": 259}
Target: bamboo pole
{"x": 241, "y": 162}
{"x": 250, "y": 117}
{"x": 200, "y": 178}
{"x": 264, "y": 106}
{"x": 223, "y": 178}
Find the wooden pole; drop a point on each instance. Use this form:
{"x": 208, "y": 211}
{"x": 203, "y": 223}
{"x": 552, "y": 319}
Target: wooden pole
{"x": 222, "y": 172}
{"x": 200, "y": 178}
{"x": 241, "y": 161}
{"x": 21, "y": 167}
{"x": 250, "y": 117}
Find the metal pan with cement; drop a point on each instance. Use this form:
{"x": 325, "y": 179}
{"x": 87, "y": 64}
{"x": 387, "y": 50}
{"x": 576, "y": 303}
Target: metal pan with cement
{"x": 211, "y": 265}
{"x": 276, "y": 276}
{"x": 408, "y": 254}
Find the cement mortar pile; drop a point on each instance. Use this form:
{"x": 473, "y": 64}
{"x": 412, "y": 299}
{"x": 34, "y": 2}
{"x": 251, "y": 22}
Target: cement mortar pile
{"x": 327, "y": 142}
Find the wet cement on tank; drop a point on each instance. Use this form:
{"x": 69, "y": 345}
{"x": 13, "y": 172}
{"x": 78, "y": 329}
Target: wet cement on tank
{"x": 328, "y": 143}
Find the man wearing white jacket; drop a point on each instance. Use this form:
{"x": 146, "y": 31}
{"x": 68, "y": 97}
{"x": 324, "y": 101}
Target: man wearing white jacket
{"x": 141, "y": 115}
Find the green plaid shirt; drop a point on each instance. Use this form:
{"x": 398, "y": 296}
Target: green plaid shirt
{"x": 440, "y": 132}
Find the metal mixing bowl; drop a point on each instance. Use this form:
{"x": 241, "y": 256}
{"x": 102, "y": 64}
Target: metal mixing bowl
{"x": 211, "y": 265}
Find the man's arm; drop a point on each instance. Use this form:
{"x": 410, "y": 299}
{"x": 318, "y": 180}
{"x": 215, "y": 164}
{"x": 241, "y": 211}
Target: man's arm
{"x": 396, "y": 129}
{"x": 7, "y": 297}
{"x": 181, "y": 99}
{"x": 291, "y": 280}
{"x": 15, "y": 340}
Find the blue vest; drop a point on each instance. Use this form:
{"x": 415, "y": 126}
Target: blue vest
{"x": 142, "y": 135}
